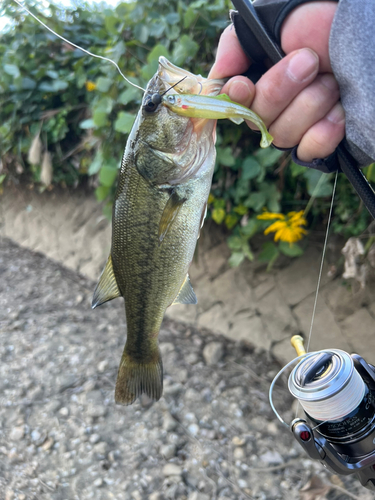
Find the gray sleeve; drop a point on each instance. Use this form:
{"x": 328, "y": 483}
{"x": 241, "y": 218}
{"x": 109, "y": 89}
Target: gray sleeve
{"x": 352, "y": 54}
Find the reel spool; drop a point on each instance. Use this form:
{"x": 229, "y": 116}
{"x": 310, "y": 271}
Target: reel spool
{"x": 337, "y": 393}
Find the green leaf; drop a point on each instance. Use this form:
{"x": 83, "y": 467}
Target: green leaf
{"x": 2, "y": 177}
{"x": 235, "y": 242}
{"x": 250, "y": 168}
{"x": 225, "y": 156}
{"x": 231, "y": 220}
{"x": 268, "y": 157}
{"x": 256, "y": 201}
{"x": 46, "y": 87}
{"x": 290, "y": 249}
{"x": 12, "y": 70}
{"x": 172, "y": 18}
{"x": 28, "y": 83}
{"x": 296, "y": 169}
{"x": 128, "y": 95}
{"x": 96, "y": 164}
{"x": 100, "y": 118}
{"x": 60, "y": 85}
{"x": 189, "y": 17}
{"x": 87, "y": 124}
{"x": 103, "y": 84}
{"x": 157, "y": 29}
{"x": 218, "y": 215}
{"x": 251, "y": 228}
{"x": 236, "y": 259}
{"x": 101, "y": 193}
{"x": 107, "y": 175}
{"x": 156, "y": 52}
{"x": 185, "y": 48}
{"x": 269, "y": 253}
{"x": 105, "y": 104}
{"x": 141, "y": 33}
{"x": 124, "y": 122}
{"x": 318, "y": 184}
{"x": 52, "y": 74}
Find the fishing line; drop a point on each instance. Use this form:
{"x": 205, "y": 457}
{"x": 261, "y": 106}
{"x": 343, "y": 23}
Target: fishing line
{"x": 78, "y": 47}
{"x": 307, "y": 355}
{"x": 322, "y": 262}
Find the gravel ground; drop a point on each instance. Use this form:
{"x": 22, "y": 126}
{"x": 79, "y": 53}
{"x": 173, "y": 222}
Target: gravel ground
{"x": 212, "y": 435}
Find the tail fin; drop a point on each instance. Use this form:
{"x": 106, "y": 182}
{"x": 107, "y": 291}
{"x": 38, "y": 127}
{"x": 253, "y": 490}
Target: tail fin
{"x": 137, "y": 377}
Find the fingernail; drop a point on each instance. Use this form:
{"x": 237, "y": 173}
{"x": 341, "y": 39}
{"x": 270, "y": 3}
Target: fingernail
{"x": 302, "y": 65}
{"x": 337, "y": 114}
{"x": 239, "y": 91}
{"x": 330, "y": 82}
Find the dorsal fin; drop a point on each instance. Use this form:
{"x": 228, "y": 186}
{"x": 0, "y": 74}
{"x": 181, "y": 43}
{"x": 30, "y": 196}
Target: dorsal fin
{"x": 186, "y": 294}
{"x": 107, "y": 288}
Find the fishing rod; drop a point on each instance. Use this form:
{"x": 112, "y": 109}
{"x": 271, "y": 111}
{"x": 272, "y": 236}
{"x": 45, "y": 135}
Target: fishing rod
{"x": 336, "y": 390}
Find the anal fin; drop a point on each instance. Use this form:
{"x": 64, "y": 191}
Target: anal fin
{"x": 186, "y": 294}
{"x": 107, "y": 288}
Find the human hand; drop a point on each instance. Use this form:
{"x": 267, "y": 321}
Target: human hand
{"x": 298, "y": 98}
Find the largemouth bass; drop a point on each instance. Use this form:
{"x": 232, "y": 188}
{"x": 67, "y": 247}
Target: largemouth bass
{"x": 159, "y": 208}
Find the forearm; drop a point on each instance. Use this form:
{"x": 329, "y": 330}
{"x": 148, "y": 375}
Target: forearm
{"x": 352, "y": 55}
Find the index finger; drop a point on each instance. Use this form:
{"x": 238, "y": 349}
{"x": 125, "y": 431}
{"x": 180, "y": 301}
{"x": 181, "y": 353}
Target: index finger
{"x": 230, "y": 58}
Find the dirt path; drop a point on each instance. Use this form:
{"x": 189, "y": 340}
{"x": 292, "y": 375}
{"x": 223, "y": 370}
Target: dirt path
{"x": 62, "y": 437}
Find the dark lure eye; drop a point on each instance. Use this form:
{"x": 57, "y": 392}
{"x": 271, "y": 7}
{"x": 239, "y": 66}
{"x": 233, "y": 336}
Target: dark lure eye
{"x": 152, "y": 103}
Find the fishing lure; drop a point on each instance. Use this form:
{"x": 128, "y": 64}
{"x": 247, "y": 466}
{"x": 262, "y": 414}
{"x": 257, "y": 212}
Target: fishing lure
{"x": 216, "y": 108}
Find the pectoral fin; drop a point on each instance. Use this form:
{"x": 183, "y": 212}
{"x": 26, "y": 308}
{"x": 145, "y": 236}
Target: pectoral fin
{"x": 170, "y": 212}
{"x": 107, "y": 288}
{"x": 186, "y": 294}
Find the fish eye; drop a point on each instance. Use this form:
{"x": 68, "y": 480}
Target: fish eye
{"x": 152, "y": 103}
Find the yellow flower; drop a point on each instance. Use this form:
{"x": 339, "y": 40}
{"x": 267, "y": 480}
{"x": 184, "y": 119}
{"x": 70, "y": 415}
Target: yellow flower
{"x": 287, "y": 227}
{"x": 90, "y": 86}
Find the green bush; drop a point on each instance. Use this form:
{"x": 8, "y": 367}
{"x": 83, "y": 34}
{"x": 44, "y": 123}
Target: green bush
{"x": 82, "y": 110}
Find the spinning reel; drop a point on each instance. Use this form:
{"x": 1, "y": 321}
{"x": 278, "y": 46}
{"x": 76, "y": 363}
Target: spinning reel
{"x": 337, "y": 393}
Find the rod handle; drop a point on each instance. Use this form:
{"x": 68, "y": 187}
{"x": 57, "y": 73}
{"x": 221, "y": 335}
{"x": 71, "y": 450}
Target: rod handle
{"x": 297, "y": 343}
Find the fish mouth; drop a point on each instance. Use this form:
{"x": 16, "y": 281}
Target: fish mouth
{"x": 183, "y": 81}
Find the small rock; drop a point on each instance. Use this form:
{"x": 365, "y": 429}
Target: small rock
{"x": 64, "y": 412}
{"x": 193, "y": 429}
{"x": 94, "y": 438}
{"x": 21, "y": 496}
{"x": 192, "y": 358}
{"x": 197, "y": 495}
{"x": 155, "y": 496}
{"x": 102, "y": 366}
{"x": 101, "y": 448}
{"x": 98, "y": 482}
{"x": 166, "y": 347}
{"x": 17, "y": 433}
{"x": 182, "y": 375}
{"x": 37, "y": 437}
{"x": 213, "y": 352}
{"x": 239, "y": 454}
{"x": 238, "y": 441}
{"x": 272, "y": 428}
{"x": 168, "y": 451}
{"x": 271, "y": 457}
{"x": 169, "y": 423}
{"x": 47, "y": 445}
{"x": 136, "y": 495}
{"x": 9, "y": 494}
{"x": 172, "y": 470}
{"x": 242, "y": 484}
{"x": 96, "y": 410}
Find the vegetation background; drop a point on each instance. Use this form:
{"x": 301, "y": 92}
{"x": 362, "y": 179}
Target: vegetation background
{"x": 65, "y": 116}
